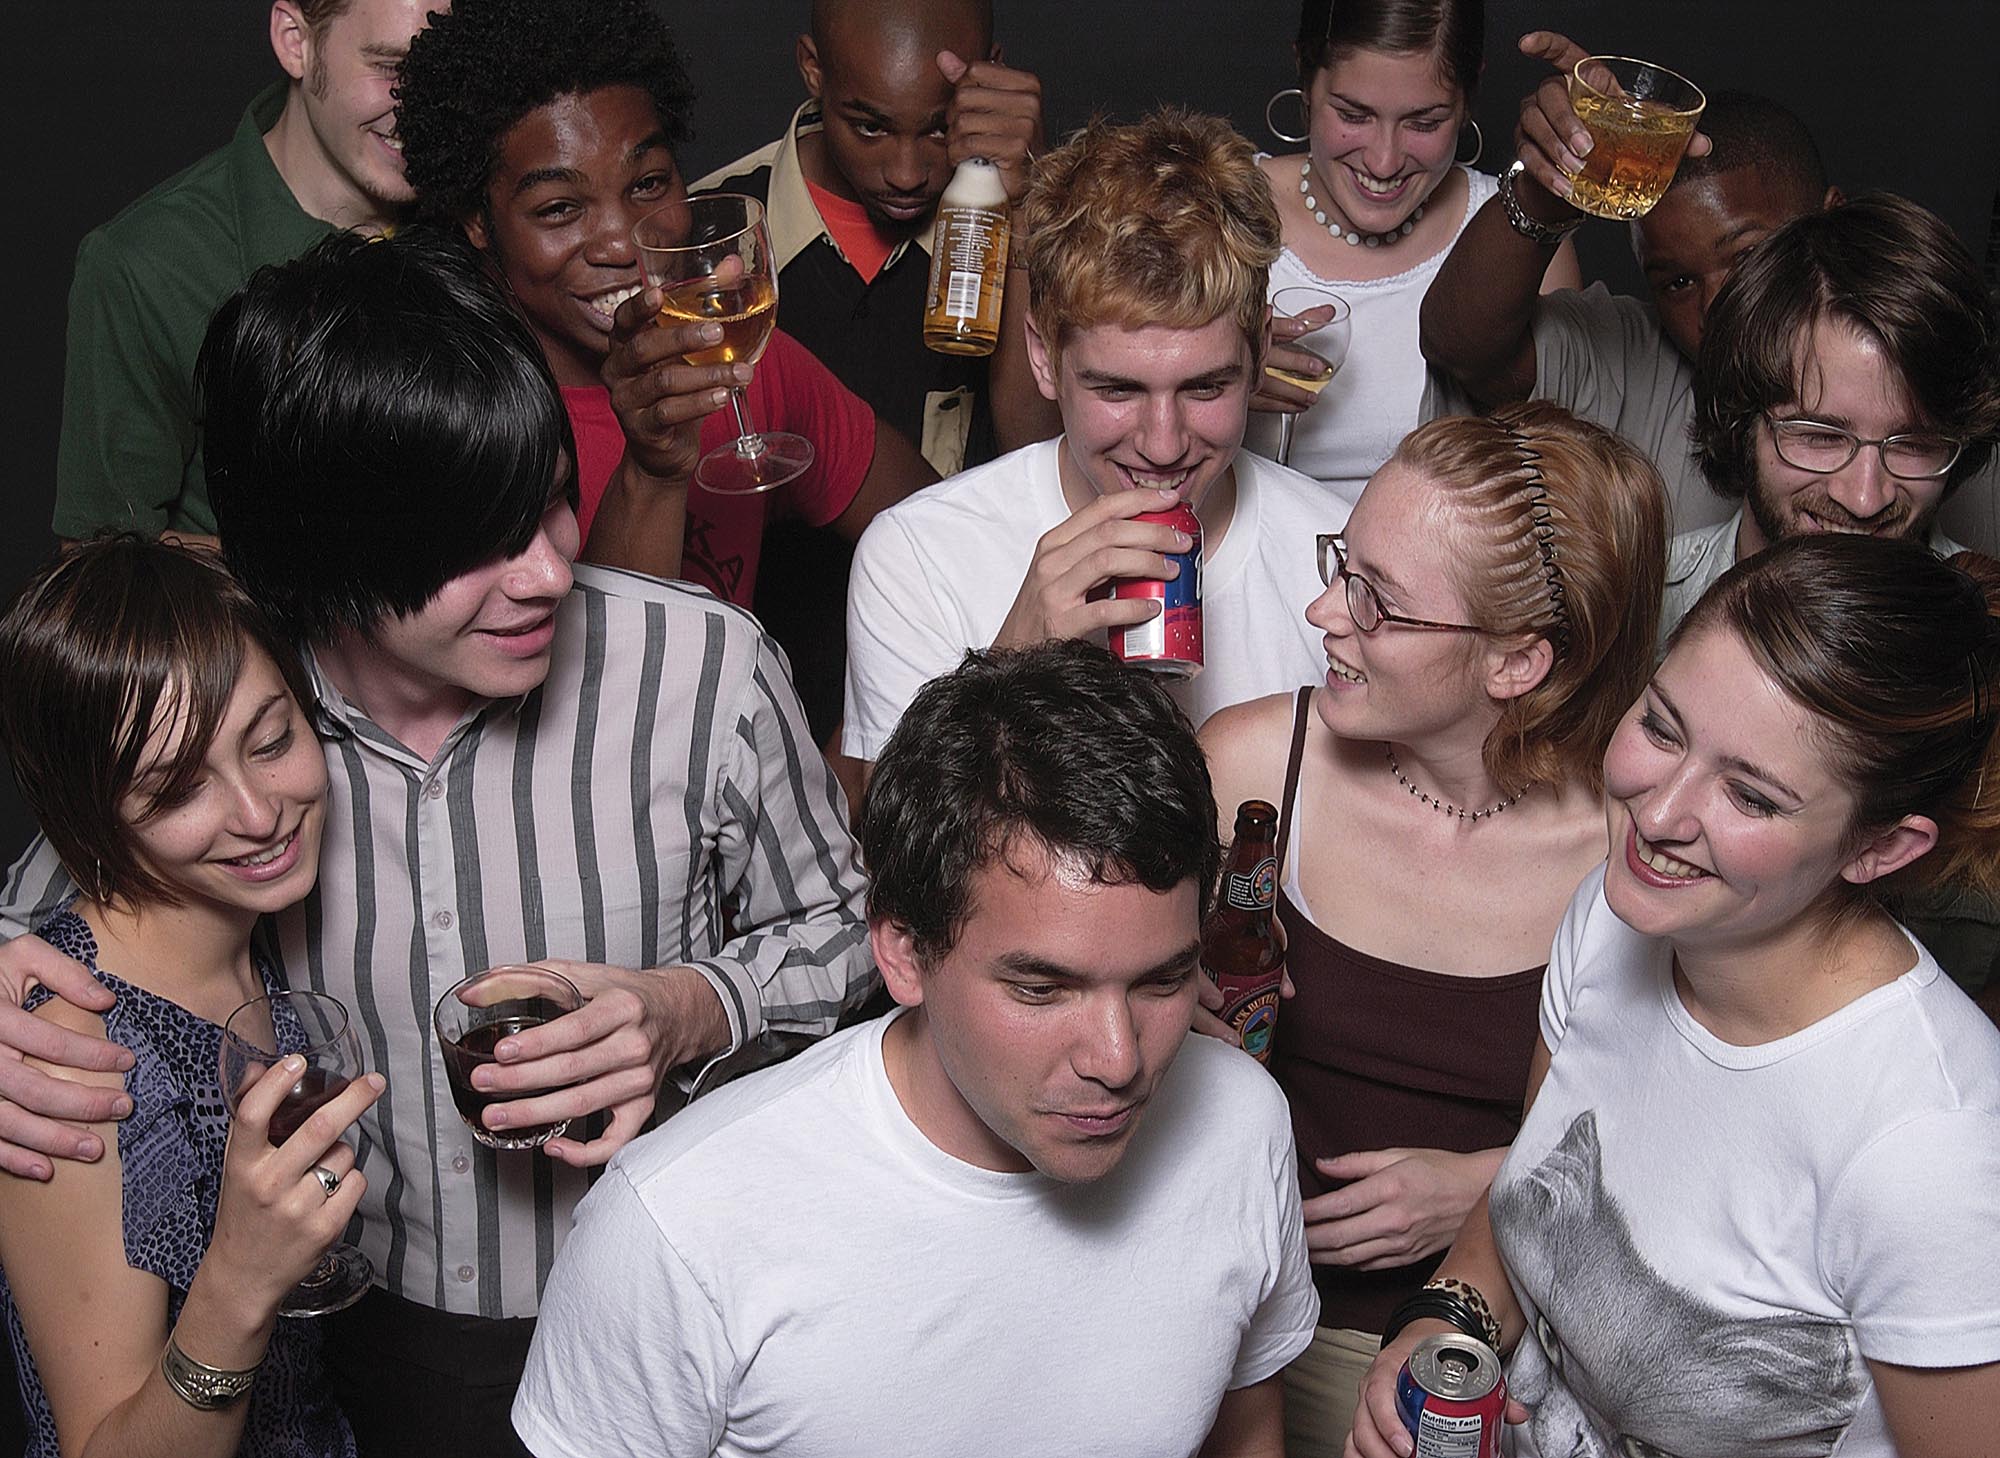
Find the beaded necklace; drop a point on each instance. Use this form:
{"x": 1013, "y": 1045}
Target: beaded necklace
{"x": 1470, "y": 816}
{"x": 1353, "y": 237}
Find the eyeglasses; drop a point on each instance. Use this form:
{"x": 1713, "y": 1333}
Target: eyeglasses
{"x": 1814, "y": 446}
{"x": 1364, "y": 604}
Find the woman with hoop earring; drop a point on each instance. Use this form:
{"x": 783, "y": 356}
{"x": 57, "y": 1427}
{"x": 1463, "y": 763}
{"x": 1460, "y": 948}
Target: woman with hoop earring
{"x": 1370, "y": 209}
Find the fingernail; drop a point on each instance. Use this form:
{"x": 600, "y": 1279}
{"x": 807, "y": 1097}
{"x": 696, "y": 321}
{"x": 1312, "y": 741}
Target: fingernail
{"x": 294, "y": 1063}
{"x": 92, "y": 1147}
{"x": 496, "y": 1118}
{"x": 740, "y": 373}
{"x": 718, "y": 398}
{"x": 1563, "y": 188}
{"x": 120, "y": 1107}
{"x": 506, "y": 1049}
{"x": 1183, "y": 541}
{"x": 1166, "y": 492}
{"x": 1581, "y": 143}
{"x": 377, "y": 1082}
{"x": 712, "y": 333}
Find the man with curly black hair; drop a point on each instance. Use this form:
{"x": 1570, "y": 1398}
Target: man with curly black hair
{"x": 314, "y": 152}
{"x": 545, "y": 129}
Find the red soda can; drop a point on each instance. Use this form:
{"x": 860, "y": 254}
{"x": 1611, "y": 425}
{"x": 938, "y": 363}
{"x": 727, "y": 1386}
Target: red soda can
{"x": 1169, "y": 643}
{"x": 1453, "y": 1397}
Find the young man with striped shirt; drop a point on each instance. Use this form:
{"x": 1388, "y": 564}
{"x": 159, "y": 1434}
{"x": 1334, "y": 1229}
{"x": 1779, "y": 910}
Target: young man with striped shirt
{"x": 530, "y": 760}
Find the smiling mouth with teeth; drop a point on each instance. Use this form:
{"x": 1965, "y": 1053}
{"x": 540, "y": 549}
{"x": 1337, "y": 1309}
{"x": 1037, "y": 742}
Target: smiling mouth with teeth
{"x": 1375, "y": 185}
{"x": 264, "y": 858}
{"x": 1156, "y": 480}
{"x": 1344, "y": 673}
{"x": 609, "y": 303}
{"x": 1658, "y": 860}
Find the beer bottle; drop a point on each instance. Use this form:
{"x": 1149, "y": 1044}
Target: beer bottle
{"x": 1239, "y": 945}
{"x": 968, "y": 262}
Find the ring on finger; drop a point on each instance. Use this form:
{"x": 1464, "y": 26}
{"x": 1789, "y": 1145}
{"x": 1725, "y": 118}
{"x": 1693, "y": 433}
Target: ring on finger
{"x": 328, "y": 1180}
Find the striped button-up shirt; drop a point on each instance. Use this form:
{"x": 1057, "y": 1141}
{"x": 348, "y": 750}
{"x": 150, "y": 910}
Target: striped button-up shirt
{"x": 657, "y": 789}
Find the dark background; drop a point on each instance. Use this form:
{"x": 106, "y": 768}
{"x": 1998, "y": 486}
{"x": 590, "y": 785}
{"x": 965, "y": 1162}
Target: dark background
{"x": 122, "y": 93}
{"x": 118, "y": 94}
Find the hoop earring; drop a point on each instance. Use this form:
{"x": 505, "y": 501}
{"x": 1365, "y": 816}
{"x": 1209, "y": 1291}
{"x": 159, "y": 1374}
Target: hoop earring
{"x": 1478, "y": 145}
{"x": 1279, "y": 132}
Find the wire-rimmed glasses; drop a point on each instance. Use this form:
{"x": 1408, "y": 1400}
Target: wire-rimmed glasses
{"x": 1364, "y": 604}
{"x": 1813, "y": 445}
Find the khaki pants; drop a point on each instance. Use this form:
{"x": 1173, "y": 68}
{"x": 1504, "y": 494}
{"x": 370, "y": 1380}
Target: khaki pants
{"x": 1322, "y": 1388}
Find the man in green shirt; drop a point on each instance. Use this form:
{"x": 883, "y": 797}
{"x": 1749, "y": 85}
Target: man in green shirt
{"x": 313, "y": 153}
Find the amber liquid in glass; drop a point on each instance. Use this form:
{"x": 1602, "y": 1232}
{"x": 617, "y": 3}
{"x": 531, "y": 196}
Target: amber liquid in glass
{"x": 746, "y": 311}
{"x": 1635, "y": 147}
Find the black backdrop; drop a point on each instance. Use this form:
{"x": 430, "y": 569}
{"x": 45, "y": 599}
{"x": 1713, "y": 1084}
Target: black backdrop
{"x": 118, "y": 94}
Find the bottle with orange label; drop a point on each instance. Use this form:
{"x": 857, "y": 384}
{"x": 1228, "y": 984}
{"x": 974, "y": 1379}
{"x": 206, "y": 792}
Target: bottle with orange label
{"x": 1239, "y": 943}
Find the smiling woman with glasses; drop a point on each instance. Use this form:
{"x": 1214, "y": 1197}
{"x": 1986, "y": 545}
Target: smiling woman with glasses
{"x": 1489, "y": 614}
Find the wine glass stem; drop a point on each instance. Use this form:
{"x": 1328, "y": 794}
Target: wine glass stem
{"x": 1287, "y": 423}
{"x": 749, "y": 444}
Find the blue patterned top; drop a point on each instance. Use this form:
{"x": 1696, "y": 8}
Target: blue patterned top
{"x": 171, "y": 1152}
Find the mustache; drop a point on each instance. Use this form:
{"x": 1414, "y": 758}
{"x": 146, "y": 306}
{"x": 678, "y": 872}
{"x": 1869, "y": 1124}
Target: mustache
{"x": 1821, "y": 505}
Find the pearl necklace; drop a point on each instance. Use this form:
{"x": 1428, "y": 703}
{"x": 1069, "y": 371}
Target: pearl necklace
{"x": 1353, "y": 237}
{"x": 1471, "y": 817}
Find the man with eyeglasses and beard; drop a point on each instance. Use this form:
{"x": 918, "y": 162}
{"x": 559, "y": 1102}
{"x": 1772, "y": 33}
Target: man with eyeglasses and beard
{"x": 1848, "y": 381}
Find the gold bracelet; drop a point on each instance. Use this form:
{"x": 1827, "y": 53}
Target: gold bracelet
{"x": 1472, "y": 1296}
{"x": 200, "y": 1386}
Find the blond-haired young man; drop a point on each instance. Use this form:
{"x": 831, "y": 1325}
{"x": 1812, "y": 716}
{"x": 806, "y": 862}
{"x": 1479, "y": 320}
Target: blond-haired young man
{"x": 1147, "y": 255}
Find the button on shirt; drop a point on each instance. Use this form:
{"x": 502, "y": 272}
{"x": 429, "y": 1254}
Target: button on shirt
{"x": 662, "y": 772}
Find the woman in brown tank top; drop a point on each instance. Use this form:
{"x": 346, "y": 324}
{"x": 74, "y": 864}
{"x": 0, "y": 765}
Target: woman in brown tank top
{"x": 1488, "y": 616}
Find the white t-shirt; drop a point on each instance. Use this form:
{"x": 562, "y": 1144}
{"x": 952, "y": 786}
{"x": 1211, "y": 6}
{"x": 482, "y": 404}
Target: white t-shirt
{"x": 1708, "y": 1239}
{"x": 935, "y": 575}
{"x": 789, "y": 1266}
{"x": 1380, "y": 393}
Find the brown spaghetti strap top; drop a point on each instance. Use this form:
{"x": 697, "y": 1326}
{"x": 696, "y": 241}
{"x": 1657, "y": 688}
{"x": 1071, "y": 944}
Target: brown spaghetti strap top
{"x": 1375, "y": 1055}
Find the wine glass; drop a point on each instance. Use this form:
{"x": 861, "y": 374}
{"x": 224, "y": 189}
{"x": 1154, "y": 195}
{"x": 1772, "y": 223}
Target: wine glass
{"x": 711, "y": 257}
{"x": 318, "y": 1029}
{"x": 1328, "y": 342}
{"x": 471, "y": 1020}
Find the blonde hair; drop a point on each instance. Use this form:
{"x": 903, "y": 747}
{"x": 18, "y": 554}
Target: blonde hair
{"x": 1566, "y": 528}
{"x": 1163, "y": 221}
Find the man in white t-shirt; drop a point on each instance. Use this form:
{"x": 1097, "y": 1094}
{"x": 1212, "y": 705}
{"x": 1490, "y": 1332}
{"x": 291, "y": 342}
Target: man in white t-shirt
{"x": 1023, "y": 1214}
{"x": 1147, "y": 252}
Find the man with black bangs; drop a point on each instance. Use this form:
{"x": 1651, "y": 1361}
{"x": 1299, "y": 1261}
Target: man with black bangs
{"x": 529, "y": 761}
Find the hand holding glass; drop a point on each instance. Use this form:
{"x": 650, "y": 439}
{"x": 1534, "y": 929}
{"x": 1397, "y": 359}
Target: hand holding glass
{"x": 711, "y": 258}
{"x": 1640, "y": 118}
{"x": 1326, "y": 341}
{"x": 319, "y": 1030}
{"x": 475, "y": 1016}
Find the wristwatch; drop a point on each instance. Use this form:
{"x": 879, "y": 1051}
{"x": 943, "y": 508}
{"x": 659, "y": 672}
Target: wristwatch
{"x": 200, "y": 1386}
{"x": 1522, "y": 222}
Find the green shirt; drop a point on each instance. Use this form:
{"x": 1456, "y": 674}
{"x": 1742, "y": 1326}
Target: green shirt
{"x": 146, "y": 284}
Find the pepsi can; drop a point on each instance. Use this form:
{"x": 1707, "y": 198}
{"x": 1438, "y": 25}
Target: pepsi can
{"x": 1169, "y": 642}
{"x": 1452, "y": 1397}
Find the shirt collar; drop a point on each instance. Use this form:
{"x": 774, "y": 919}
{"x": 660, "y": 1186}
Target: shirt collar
{"x": 269, "y": 221}
{"x": 336, "y": 719}
{"x": 794, "y": 217}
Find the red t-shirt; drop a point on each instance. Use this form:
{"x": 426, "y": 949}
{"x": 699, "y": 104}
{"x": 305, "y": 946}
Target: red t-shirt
{"x": 791, "y": 390}
{"x": 860, "y": 239}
